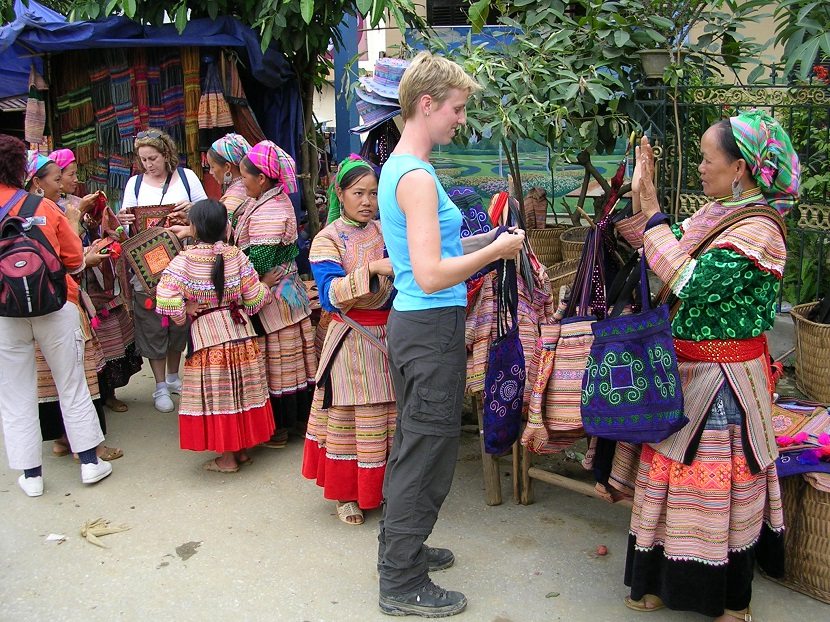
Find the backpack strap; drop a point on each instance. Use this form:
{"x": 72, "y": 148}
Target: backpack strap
{"x": 138, "y": 179}
{"x": 4, "y": 211}
{"x": 29, "y": 207}
{"x": 183, "y": 177}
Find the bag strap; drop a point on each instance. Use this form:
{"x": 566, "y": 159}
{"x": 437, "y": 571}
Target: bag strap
{"x": 185, "y": 183}
{"x": 665, "y": 296}
{"x": 18, "y": 194}
{"x": 138, "y": 179}
{"x": 29, "y": 207}
{"x": 362, "y": 330}
{"x": 507, "y": 297}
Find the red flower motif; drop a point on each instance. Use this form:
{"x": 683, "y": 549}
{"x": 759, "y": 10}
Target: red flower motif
{"x": 822, "y": 73}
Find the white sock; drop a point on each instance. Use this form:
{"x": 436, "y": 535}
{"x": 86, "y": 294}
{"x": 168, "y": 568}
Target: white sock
{"x": 172, "y": 378}
{"x": 161, "y": 385}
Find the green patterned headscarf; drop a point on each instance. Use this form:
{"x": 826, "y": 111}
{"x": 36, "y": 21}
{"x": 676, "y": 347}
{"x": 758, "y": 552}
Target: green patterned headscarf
{"x": 772, "y": 159}
{"x": 349, "y": 164}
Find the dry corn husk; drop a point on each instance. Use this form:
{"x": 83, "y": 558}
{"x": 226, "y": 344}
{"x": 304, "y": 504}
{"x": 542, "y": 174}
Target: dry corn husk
{"x": 92, "y": 530}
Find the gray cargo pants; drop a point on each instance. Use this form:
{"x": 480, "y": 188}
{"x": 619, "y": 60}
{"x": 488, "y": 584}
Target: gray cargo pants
{"x": 428, "y": 362}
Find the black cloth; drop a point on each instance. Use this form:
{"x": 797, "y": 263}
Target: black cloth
{"x": 51, "y": 419}
{"x": 428, "y": 363}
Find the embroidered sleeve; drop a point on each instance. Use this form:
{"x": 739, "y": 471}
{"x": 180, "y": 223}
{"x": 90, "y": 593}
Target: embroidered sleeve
{"x": 254, "y": 292}
{"x": 345, "y": 290}
{"x": 170, "y": 295}
{"x": 726, "y": 297}
{"x": 263, "y": 257}
{"x": 665, "y": 256}
{"x": 631, "y": 229}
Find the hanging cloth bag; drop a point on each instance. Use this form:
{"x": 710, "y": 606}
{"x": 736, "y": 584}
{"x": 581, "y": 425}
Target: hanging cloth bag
{"x": 504, "y": 382}
{"x": 631, "y": 387}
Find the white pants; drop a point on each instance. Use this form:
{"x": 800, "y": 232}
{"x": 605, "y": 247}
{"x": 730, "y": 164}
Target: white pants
{"x": 60, "y": 339}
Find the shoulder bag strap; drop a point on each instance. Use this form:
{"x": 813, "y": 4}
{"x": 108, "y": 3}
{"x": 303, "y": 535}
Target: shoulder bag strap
{"x": 138, "y": 179}
{"x": 665, "y": 296}
{"x": 4, "y": 211}
{"x": 362, "y": 330}
{"x": 185, "y": 183}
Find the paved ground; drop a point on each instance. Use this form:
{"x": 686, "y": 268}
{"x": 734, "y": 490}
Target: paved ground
{"x": 264, "y": 545}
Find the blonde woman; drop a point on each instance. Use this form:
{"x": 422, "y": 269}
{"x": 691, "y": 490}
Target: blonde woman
{"x": 427, "y": 357}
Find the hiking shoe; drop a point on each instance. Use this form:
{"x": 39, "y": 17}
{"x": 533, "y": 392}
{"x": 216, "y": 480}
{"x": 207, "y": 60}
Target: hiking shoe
{"x": 428, "y": 601}
{"x": 439, "y": 559}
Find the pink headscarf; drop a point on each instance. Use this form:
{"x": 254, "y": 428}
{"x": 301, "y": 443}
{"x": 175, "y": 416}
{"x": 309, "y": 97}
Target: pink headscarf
{"x": 275, "y": 163}
{"x": 62, "y": 157}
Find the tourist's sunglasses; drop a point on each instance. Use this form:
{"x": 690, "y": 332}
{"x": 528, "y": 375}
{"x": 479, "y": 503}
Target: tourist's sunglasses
{"x": 149, "y": 134}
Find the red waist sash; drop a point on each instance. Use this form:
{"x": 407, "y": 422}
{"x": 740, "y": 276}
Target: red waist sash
{"x": 721, "y": 350}
{"x": 366, "y": 317}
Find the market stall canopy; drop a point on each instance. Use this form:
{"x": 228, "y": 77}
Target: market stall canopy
{"x": 37, "y": 29}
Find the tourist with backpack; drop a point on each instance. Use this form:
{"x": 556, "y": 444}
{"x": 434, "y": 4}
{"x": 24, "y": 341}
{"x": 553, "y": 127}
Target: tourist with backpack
{"x": 160, "y": 181}
{"x": 39, "y": 252}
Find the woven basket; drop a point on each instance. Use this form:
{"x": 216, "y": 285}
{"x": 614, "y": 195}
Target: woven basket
{"x": 546, "y": 244}
{"x": 812, "y": 365}
{"x": 573, "y": 240}
{"x": 806, "y": 539}
{"x": 562, "y": 273}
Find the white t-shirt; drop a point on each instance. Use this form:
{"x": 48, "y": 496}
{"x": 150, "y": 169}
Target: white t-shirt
{"x": 176, "y": 193}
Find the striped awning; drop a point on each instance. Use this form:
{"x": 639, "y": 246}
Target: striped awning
{"x": 13, "y": 104}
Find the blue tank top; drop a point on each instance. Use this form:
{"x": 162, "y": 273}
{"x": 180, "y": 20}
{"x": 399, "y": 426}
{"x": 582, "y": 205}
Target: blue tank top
{"x": 410, "y": 296}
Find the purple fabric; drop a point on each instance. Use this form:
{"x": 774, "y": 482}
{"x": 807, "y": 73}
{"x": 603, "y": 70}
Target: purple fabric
{"x": 796, "y": 462}
{"x": 631, "y": 387}
{"x": 504, "y": 383}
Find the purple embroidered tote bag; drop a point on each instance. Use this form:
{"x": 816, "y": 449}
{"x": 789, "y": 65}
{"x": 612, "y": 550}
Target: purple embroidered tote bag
{"x": 631, "y": 387}
{"x": 504, "y": 382}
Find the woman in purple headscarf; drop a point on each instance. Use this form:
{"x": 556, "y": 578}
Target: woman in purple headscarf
{"x": 265, "y": 228}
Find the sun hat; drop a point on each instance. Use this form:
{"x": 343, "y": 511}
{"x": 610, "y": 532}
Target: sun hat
{"x": 374, "y": 98}
{"x": 373, "y": 115}
{"x": 386, "y": 78}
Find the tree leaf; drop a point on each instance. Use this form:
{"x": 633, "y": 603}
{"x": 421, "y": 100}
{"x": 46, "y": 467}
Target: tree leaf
{"x": 307, "y": 10}
{"x": 364, "y": 6}
{"x": 478, "y": 14}
{"x": 621, "y": 37}
{"x": 181, "y": 17}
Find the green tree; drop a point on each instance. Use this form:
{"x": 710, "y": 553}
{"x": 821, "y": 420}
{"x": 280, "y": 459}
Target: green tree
{"x": 302, "y": 29}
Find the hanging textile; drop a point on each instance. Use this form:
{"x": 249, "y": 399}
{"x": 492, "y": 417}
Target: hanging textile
{"x": 214, "y": 113}
{"x": 192, "y": 106}
{"x": 35, "y": 121}
{"x": 121, "y": 92}
{"x": 172, "y": 97}
{"x": 244, "y": 121}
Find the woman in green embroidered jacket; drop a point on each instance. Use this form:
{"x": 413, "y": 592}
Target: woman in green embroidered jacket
{"x": 265, "y": 228}
{"x": 707, "y": 503}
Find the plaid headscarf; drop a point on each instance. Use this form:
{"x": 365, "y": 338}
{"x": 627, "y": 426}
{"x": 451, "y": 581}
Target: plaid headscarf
{"x": 232, "y": 147}
{"x": 62, "y": 157}
{"x": 349, "y": 164}
{"x": 771, "y": 157}
{"x": 275, "y": 164}
{"x": 34, "y": 162}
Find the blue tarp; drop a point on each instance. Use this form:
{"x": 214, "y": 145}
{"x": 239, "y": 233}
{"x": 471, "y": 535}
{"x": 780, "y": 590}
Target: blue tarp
{"x": 37, "y": 29}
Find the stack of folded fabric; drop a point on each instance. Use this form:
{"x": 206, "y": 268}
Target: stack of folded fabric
{"x": 377, "y": 94}
{"x": 802, "y": 433}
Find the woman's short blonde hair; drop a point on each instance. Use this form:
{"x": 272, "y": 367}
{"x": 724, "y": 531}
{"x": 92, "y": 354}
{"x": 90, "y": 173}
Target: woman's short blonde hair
{"x": 162, "y": 143}
{"x": 431, "y": 75}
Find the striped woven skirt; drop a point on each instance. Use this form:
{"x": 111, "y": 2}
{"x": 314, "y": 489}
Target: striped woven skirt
{"x": 116, "y": 334}
{"x": 346, "y": 448}
{"x": 224, "y": 404}
{"x": 290, "y": 359}
{"x": 697, "y": 530}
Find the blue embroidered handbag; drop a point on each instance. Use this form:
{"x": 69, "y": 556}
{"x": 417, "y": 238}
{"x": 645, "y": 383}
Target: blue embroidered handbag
{"x": 504, "y": 382}
{"x": 631, "y": 387}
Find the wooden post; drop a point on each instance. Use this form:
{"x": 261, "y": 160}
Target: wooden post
{"x": 489, "y": 464}
{"x": 527, "y": 482}
{"x": 517, "y": 468}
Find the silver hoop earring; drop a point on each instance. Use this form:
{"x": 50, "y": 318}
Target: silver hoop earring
{"x": 737, "y": 189}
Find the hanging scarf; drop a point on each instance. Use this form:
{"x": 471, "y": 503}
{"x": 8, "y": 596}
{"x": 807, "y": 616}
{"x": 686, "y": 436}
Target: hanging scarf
{"x": 232, "y": 147}
{"x": 772, "y": 159}
{"x": 62, "y": 157}
{"x": 275, "y": 163}
{"x": 349, "y": 164}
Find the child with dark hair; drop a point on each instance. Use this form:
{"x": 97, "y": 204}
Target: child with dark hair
{"x": 224, "y": 405}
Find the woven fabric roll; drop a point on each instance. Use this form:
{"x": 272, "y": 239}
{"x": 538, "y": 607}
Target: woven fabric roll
{"x": 192, "y": 93}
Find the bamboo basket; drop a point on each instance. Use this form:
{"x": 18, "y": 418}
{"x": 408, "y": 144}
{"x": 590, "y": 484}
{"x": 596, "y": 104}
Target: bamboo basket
{"x": 546, "y": 244}
{"x": 806, "y": 538}
{"x": 812, "y": 363}
{"x": 573, "y": 240}
{"x": 562, "y": 273}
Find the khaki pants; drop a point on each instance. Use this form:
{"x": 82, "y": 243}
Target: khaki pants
{"x": 60, "y": 339}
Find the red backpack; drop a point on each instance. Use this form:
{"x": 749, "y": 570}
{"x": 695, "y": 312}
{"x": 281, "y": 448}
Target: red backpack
{"x": 32, "y": 276}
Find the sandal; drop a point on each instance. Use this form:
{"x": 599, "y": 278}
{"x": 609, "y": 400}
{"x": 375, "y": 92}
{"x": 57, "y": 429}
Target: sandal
{"x": 348, "y": 510}
{"x": 212, "y": 465}
{"x": 745, "y": 615}
{"x": 246, "y": 462}
{"x": 60, "y": 449}
{"x": 640, "y": 605}
{"x": 116, "y": 405}
{"x": 278, "y": 441}
{"x": 110, "y": 453}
